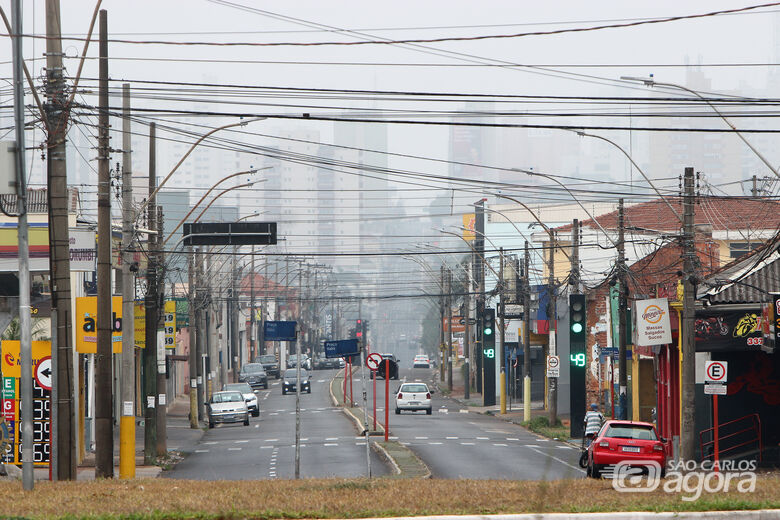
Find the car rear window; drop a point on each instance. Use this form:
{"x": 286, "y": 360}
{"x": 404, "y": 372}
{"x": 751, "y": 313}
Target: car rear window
{"x": 414, "y": 388}
{"x": 253, "y": 368}
{"x": 626, "y": 431}
{"x": 227, "y": 397}
{"x": 268, "y": 359}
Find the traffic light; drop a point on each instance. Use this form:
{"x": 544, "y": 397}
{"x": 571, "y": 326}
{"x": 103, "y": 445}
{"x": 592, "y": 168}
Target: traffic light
{"x": 489, "y": 322}
{"x": 359, "y": 329}
{"x": 489, "y": 357}
{"x": 577, "y": 361}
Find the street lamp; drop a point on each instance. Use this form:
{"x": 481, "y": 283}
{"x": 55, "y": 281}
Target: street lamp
{"x": 651, "y": 82}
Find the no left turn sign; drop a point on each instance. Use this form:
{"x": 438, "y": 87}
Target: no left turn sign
{"x": 373, "y": 361}
{"x": 715, "y": 371}
{"x": 43, "y": 373}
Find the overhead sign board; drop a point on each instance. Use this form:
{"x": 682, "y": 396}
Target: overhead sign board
{"x": 229, "y": 233}
{"x": 341, "y": 348}
{"x": 652, "y": 322}
{"x": 279, "y": 330}
{"x": 715, "y": 371}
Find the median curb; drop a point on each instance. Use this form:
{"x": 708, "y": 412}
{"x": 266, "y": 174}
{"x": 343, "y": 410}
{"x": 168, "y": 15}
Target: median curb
{"x": 764, "y": 514}
{"x": 404, "y": 462}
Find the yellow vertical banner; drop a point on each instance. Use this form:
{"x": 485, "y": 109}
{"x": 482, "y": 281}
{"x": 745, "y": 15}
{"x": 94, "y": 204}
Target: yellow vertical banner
{"x": 86, "y": 324}
{"x": 170, "y": 324}
{"x": 469, "y": 226}
{"x": 139, "y": 332}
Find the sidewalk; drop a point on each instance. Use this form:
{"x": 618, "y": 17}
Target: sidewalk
{"x": 180, "y": 437}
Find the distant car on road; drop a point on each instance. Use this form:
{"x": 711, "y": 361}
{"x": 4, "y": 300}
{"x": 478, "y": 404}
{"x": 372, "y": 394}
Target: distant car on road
{"x": 381, "y": 371}
{"x": 254, "y": 374}
{"x": 413, "y": 396}
{"x": 249, "y": 396}
{"x": 292, "y": 361}
{"x": 290, "y": 382}
{"x": 321, "y": 362}
{"x": 421, "y": 361}
{"x": 227, "y": 407}
{"x": 626, "y": 442}
{"x": 270, "y": 364}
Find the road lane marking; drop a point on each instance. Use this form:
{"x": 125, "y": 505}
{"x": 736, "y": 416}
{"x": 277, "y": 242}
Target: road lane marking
{"x": 452, "y": 438}
{"x": 530, "y": 445}
{"x": 483, "y": 438}
{"x": 499, "y": 444}
{"x": 331, "y": 438}
{"x": 512, "y": 439}
{"x": 467, "y": 443}
{"x": 564, "y": 447}
{"x": 560, "y": 460}
{"x": 271, "y": 440}
{"x": 235, "y": 449}
{"x": 435, "y": 443}
{"x": 421, "y": 438}
{"x": 201, "y": 451}
{"x": 266, "y": 447}
{"x": 331, "y": 444}
{"x": 273, "y": 413}
{"x": 210, "y": 442}
{"x": 241, "y": 442}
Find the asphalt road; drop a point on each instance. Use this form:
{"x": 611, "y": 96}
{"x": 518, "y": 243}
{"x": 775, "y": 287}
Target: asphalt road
{"x": 266, "y": 448}
{"x": 456, "y": 443}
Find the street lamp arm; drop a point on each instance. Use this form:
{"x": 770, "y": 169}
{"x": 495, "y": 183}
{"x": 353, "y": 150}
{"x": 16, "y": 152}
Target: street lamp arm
{"x": 196, "y": 143}
{"x": 182, "y": 221}
{"x": 472, "y": 248}
{"x": 549, "y": 231}
{"x": 650, "y": 82}
{"x": 580, "y": 133}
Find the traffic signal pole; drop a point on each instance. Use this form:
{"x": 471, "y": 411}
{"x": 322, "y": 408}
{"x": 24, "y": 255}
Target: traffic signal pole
{"x": 502, "y": 355}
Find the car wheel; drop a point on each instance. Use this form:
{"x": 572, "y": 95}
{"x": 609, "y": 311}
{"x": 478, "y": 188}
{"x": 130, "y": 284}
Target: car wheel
{"x": 398, "y": 411}
{"x": 284, "y": 392}
{"x": 428, "y": 411}
{"x": 256, "y": 413}
{"x": 595, "y": 471}
{"x": 211, "y": 424}
{"x": 246, "y": 421}
{"x": 308, "y": 390}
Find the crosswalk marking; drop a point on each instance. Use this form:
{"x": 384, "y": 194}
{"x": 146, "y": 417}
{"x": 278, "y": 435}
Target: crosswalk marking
{"x": 467, "y": 443}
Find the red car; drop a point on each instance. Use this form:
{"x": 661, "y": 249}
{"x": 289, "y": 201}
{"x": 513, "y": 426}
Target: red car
{"x": 626, "y": 441}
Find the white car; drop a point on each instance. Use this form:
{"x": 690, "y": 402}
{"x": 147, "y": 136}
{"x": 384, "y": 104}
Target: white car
{"x": 228, "y": 407}
{"x": 413, "y": 396}
{"x": 249, "y": 396}
{"x": 421, "y": 361}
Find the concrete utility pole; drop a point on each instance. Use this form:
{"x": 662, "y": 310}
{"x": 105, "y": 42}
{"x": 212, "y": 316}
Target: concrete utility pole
{"x": 127, "y": 419}
{"x": 479, "y": 278}
{"x": 449, "y": 330}
{"x": 200, "y": 336}
{"x": 552, "y": 382}
{"x": 150, "y": 307}
{"x": 252, "y": 344}
{"x": 162, "y": 405}
{"x": 622, "y": 306}
{"x": 688, "y": 387}
{"x": 233, "y": 317}
{"x": 442, "y": 303}
{"x": 467, "y": 340}
{"x": 526, "y": 336}
{"x": 59, "y": 244}
{"x": 104, "y": 424}
{"x": 25, "y": 343}
{"x": 502, "y": 308}
{"x": 193, "y": 361}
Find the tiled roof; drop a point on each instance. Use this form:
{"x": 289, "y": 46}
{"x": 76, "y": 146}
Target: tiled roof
{"x": 38, "y": 202}
{"x": 749, "y": 279}
{"x": 722, "y": 213}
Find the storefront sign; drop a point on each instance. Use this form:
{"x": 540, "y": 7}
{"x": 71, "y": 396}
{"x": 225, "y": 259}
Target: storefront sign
{"x": 86, "y": 324}
{"x": 652, "y": 322}
{"x": 729, "y": 331}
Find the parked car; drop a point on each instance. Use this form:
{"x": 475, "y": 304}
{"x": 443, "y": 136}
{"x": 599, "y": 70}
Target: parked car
{"x": 421, "y": 361}
{"x": 292, "y": 361}
{"x": 270, "y": 364}
{"x": 254, "y": 374}
{"x": 321, "y": 362}
{"x": 227, "y": 407}
{"x": 290, "y": 382}
{"x": 249, "y": 396}
{"x": 625, "y": 441}
{"x": 413, "y": 396}
{"x": 381, "y": 371}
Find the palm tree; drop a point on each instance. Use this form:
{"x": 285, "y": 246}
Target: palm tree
{"x": 40, "y": 330}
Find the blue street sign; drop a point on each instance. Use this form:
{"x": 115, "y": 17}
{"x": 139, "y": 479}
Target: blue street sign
{"x": 279, "y": 330}
{"x": 341, "y": 348}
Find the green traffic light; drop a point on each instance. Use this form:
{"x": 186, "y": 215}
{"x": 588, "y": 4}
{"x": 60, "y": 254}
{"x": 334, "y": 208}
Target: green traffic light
{"x": 488, "y": 331}
{"x": 576, "y": 328}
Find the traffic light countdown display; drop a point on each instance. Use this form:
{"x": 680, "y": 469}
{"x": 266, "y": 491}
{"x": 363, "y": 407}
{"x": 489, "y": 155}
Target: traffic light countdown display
{"x": 489, "y": 357}
{"x": 577, "y": 362}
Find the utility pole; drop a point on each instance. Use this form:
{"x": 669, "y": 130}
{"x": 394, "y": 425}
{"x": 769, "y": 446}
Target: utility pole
{"x": 442, "y": 303}
{"x": 252, "y": 331}
{"x": 449, "y": 330}
{"x": 150, "y": 307}
{"x": 200, "y": 309}
{"x": 501, "y": 308}
{"x": 479, "y": 278}
{"x": 688, "y": 386}
{"x": 526, "y": 337}
{"x": 59, "y": 243}
{"x": 193, "y": 357}
{"x": 25, "y": 343}
{"x": 467, "y": 339}
{"x": 233, "y": 318}
{"x": 622, "y": 305}
{"x": 104, "y": 424}
{"x": 162, "y": 406}
{"x": 552, "y": 382}
{"x": 754, "y": 191}
{"x": 127, "y": 391}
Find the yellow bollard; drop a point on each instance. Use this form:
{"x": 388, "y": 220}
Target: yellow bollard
{"x": 502, "y": 387}
{"x": 527, "y": 398}
{"x": 127, "y": 446}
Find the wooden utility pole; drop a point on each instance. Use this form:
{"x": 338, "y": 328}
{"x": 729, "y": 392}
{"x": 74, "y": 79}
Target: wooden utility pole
{"x": 150, "y": 308}
{"x": 526, "y": 336}
{"x": 552, "y": 382}
{"x": 127, "y": 391}
{"x": 449, "y": 330}
{"x": 622, "y": 309}
{"x": 688, "y": 376}
{"x": 59, "y": 244}
{"x": 104, "y": 424}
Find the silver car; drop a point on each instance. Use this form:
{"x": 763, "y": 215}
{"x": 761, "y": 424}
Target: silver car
{"x": 249, "y": 396}
{"x": 228, "y": 407}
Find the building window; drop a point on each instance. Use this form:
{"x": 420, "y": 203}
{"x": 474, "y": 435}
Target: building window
{"x": 737, "y": 249}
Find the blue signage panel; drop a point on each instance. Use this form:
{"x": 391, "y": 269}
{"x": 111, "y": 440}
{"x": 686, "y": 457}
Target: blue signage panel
{"x": 341, "y": 348}
{"x": 279, "y": 330}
